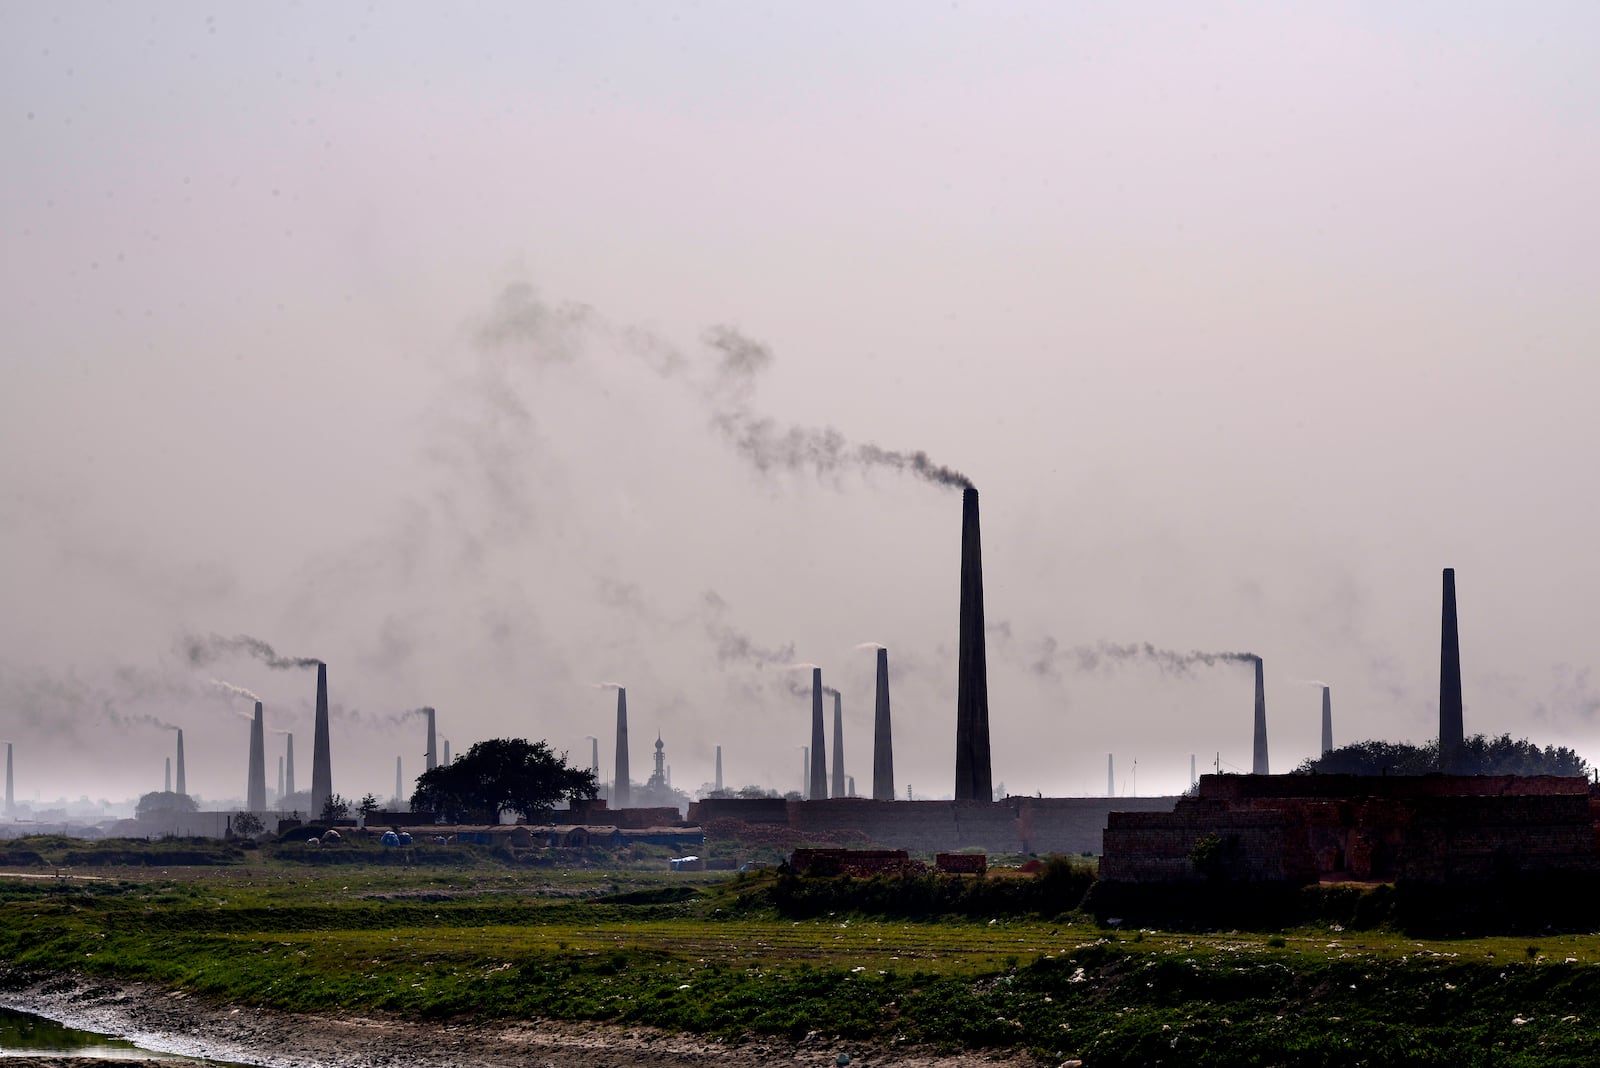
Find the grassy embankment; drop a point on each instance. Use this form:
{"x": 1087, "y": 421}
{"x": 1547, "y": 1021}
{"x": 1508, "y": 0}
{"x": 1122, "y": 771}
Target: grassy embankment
{"x": 726, "y": 956}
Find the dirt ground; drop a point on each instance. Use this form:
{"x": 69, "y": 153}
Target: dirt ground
{"x": 173, "y": 1023}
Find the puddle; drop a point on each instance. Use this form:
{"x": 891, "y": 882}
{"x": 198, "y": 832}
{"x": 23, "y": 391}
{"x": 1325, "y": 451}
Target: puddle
{"x": 23, "y": 1034}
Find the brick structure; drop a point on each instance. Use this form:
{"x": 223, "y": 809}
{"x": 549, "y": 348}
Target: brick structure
{"x": 1297, "y": 829}
{"x": 961, "y": 863}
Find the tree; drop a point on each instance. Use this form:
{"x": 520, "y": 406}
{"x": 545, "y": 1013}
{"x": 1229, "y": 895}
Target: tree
{"x": 1480, "y": 755}
{"x": 502, "y": 775}
{"x": 367, "y": 806}
{"x": 335, "y": 808}
{"x": 159, "y": 801}
{"x": 247, "y": 824}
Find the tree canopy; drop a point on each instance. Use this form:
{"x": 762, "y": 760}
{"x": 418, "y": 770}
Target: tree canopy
{"x": 502, "y": 775}
{"x": 164, "y": 801}
{"x": 1480, "y": 755}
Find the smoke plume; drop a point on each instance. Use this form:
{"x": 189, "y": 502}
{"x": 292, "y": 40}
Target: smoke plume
{"x": 608, "y": 686}
{"x": 202, "y": 651}
{"x": 1047, "y": 657}
{"x": 822, "y": 450}
{"x": 235, "y": 691}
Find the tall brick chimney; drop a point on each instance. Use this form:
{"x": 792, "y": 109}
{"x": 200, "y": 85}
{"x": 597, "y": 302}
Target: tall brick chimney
{"x": 430, "y": 758}
{"x": 399, "y": 781}
{"x": 11, "y": 797}
{"x": 973, "y": 781}
{"x": 882, "y": 737}
{"x": 1111, "y": 778}
{"x": 321, "y": 752}
{"x": 818, "y": 788}
{"x": 838, "y": 747}
{"x": 288, "y": 767}
{"x": 621, "y": 791}
{"x": 167, "y": 779}
{"x": 255, "y": 790}
{"x": 1452, "y": 732}
{"x": 182, "y": 785}
{"x": 1259, "y": 765}
{"x": 280, "y": 782}
{"x": 719, "y": 768}
{"x": 1327, "y": 720}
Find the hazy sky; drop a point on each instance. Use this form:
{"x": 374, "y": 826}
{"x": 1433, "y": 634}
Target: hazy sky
{"x": 385, "y": 334}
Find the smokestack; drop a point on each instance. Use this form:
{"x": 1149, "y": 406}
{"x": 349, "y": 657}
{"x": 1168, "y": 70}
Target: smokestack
{"x": 805, "y": 772}
{"x": 1111, "y": 779}
{"x": 818, "y": 775}
{"x": 182, "y": 785}
{"x": 167, "y": 787}
{"x": 973, "y": 782}
{"x": 719, "y": 767}
{"x": 1259, "y": 765}
{"x": 255, "y": 789}
{"x": 288, "y": 768}
{"x": 398, "y": 781}
{"x": 620, "y": 788}
{"x": 11, "y": 797}
{"x": 321, "y": 754}
{"x": 1194, "y": 779}
{"x": 1452, "y": 732}
{"x": 430, "y": 758}
{"x": 838, "y": 746}
{"x": 594, "y": 756}
{"x": 1327, "y": 720}
{"x": 882, "y": 740}
{"x": 280, "y": 782}
{"x": 447, "y": 750}
{"x": 852, "y": 787}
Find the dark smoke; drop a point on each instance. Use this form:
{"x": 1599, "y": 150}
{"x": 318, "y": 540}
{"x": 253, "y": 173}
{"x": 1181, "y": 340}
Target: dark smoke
{"x": 736, "y": 648}
{"x": 823, "y": 451}
{"x": 202, "y": 651}
{"x": 1049, "y": 658}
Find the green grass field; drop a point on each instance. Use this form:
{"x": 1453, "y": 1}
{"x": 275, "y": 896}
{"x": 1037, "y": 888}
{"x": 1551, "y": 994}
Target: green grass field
{"x": 712, "y": 953}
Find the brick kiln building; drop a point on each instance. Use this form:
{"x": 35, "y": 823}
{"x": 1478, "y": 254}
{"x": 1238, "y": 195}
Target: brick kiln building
{"x": 1299, "y": 829}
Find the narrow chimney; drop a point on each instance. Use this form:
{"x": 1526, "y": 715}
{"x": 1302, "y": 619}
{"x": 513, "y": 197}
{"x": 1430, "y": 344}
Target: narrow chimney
{"x": 398, "y": 782}
{"x": 11, "y": 797}
{"x": 430, "y": 758}
{"x": 1259, "y": 765}
{"x": 838, "y": 746}
{"x": 620, "y": 788}
{"x": 1327, "y": 720}
{"x": 288, "y": 767}
{"x": 1452, "y": 732}
{"x": 594, "y": 755}
{"x": 719, "y": 767}
{"x": 882, "y": 737}
{"x": 818, "y": 780}
{"x": 805, "y": 772}
{"x": 167, "y": 780}
{"x": 321, "y": 752}
{"x": 973, "y": 782}
{"x": 182, "y": 785}
{"x": 1111, "y": 779}
{"x": 1194, "y": 779}
{"x": 255, "y": 790}
{"x": 280, "y": 782}
{"x": 852, "y": 786}
{"x": 447, "y": 750}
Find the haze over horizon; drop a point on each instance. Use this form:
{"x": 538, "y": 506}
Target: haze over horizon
{"x": 443, "y": 347}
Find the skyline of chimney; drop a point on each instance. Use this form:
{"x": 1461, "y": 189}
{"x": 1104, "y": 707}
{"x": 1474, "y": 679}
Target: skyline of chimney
{"x": 1452, "y": 729}
{"x": 838, "y": 746}
{"x": 321, "y": 752}
{"x": 817, "y": 782}
{"x": 1259, "y": 765}
{"x": 288, "y": 766}
{"x": 882, "y": 737}
{"x": 974, "y": 780}
{"x": 182, "y": 785}
{"x": 1327, "y": 720}
{"x": 255, "y": 789}
{"x": 431, "y": 751}
{"x": 719, "y": 768}
{"x": 621, "y": 790}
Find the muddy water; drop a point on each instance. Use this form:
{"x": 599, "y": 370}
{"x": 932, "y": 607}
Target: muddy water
{"x": 23, "y": 1034}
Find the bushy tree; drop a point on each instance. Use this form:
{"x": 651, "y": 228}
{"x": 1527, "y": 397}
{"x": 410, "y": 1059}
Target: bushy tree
{"x": 247, "y": 824}
{"x": 158, "y": 801}
{"x": 502, "y": 775}
{"x": 1480, "y": 755}
{"x": 335, "y": 808}
{"x": 368, "y": 805}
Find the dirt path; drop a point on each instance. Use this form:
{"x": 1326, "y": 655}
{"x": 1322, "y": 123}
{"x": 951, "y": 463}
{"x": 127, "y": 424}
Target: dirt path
{"x": 171, "y": 1022}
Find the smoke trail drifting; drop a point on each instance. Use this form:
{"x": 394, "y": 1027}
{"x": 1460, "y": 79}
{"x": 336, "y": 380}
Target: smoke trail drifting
{"x": 202, "y": 651}
{"x": 1048, "y": 658}
{"x": 235, "y": 691}
{"x": 872, "y": 645}
{"x": 823, "y": 451}
{"x": 609, "y": 686}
